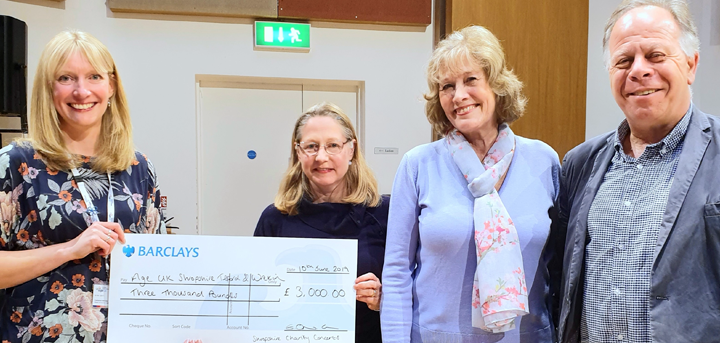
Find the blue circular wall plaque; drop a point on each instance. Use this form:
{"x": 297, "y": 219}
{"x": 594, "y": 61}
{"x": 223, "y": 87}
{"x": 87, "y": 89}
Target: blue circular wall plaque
{"x": 252, "y": 154}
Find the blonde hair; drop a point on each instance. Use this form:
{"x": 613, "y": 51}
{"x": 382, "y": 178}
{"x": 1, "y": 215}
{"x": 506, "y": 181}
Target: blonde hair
{"x": 360, "y": 182}
{"x": 115, "y": 150}
{"x": 477, "y": 45}
{"x": 688, "y": 40}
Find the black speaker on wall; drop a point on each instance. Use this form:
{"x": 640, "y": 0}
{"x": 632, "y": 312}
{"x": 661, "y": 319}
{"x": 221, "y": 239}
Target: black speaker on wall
{"x": 13, "y": 67}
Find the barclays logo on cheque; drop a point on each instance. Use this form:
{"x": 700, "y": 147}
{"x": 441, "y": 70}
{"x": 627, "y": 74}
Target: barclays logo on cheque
{"x": 129, "y": 250}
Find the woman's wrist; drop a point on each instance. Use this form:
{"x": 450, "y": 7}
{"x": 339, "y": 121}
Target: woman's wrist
{"x": 64, "y": 252}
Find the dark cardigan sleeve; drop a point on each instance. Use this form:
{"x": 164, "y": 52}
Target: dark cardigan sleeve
{"x": 268, "y": 224}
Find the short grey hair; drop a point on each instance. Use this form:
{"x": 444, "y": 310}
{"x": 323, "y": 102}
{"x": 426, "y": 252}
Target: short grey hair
{"x": 688, "y": 40}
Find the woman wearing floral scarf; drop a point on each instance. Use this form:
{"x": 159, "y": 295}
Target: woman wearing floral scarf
{"x": 469, "y": 213}
{"x": 69, "y": 193}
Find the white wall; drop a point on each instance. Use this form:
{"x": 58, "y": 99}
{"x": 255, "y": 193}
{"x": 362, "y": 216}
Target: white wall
{"x": 603, "y": 114}
{"x": 158, "y": 61}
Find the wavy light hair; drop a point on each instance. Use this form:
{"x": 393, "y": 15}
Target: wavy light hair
{"x": 688, "y": 40}
{"x": 115, "y": 150}
{"x": 360, "y": 182}
{"x": 478, "y": 46}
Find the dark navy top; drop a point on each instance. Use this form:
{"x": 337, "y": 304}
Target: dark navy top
{"x": 338, "y": 220}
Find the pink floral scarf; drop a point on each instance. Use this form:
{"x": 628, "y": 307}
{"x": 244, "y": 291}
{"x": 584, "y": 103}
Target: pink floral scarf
{"x": 499, "y": 289}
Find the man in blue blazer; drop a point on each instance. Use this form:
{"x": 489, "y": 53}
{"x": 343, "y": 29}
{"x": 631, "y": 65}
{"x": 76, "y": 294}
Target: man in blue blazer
{"x": 639, "y": 207}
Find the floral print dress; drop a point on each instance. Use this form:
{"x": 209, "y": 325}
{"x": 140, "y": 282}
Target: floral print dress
{"x": 39, "y": 207}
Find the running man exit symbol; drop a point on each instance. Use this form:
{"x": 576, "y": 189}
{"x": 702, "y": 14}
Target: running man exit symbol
{"x": 294, "y": 34}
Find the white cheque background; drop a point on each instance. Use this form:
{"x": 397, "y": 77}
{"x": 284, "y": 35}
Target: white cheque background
{"x": 232, "y": 289}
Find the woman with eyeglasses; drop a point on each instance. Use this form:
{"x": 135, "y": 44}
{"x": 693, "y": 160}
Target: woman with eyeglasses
{"x": 68, "y": 194}
{"x": 329, "y": 192}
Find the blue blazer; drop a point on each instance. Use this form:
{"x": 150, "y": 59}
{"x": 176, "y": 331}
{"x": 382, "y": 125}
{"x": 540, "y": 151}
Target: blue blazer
{"x": 685, "y": 285}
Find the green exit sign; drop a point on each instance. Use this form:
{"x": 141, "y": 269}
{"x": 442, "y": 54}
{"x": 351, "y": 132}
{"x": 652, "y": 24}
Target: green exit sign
{"x": 282, "y": 36}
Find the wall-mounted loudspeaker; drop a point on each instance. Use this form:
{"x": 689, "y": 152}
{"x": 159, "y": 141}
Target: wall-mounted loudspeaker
{"x": 13, "y": 68}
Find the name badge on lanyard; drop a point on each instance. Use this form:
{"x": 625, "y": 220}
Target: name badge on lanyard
{"x": 100, "y": 292}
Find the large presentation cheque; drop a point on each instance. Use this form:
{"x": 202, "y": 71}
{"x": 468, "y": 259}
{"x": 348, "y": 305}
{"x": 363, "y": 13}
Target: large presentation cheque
{"x": 232, "y": 289}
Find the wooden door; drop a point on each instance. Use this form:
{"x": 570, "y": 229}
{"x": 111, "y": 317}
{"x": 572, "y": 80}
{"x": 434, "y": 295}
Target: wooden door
{"x": 546, "y": 44}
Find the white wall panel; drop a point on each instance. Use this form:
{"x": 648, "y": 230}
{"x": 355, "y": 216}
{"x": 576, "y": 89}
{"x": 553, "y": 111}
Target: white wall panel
{"x": 234, "y": 188}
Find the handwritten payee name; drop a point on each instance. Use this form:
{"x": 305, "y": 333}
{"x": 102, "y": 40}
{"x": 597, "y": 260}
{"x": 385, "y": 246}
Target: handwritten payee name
{"x": 143, "y": 280}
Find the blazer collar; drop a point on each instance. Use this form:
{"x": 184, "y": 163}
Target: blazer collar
{"x": 696, "y": 142}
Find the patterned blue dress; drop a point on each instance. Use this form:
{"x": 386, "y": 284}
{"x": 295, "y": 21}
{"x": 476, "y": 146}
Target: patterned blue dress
{"x": 40, "y": 207}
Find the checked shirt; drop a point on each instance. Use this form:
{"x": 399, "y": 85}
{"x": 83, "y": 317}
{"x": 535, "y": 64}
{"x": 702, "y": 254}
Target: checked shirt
{"x": 623, "y": 227}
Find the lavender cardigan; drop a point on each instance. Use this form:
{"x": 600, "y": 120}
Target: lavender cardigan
{"x": 430, "y": 256}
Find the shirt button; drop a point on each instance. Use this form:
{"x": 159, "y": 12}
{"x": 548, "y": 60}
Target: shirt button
{"x": 627, "y": 203}
{"x": 616, "y": 291}
{"x": 621, "y": 246}
{"x": 620, "y": 336}
{"x": 639, "y": 166}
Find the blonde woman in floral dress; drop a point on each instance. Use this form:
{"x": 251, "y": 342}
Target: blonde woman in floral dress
{"x": 52, "y": 248}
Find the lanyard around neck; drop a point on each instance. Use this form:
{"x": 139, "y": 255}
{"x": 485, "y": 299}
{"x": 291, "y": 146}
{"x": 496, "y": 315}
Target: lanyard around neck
{"x": 91, "y": 209}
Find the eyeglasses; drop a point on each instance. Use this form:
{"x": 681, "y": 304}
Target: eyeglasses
{"x": 312, "y": 148}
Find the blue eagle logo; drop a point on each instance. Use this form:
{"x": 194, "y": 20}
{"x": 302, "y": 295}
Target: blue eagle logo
{"x": 128, "y": 250}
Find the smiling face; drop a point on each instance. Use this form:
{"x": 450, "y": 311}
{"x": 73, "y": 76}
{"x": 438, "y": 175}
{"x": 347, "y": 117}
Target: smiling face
{"x": 649, "y": 73}
{"x": 80, "y": 94}
{"x": 468, "y": 101}
{"x": 326, "y": 173}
